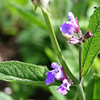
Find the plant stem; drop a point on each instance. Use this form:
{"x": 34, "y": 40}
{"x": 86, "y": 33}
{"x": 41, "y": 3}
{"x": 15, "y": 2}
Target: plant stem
{"x": 57, "y": 48}
{"x": 80, "y": 51}
{"x": 80, "y": 92}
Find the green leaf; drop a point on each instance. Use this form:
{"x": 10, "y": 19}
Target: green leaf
{"x": 93, "y": 88}
{"x": 92, "y": 45}
{"x": 4, "y": 96}
{"x": 23, "y": 73}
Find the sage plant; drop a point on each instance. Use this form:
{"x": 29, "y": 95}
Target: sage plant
{"x": 60, "y": 79}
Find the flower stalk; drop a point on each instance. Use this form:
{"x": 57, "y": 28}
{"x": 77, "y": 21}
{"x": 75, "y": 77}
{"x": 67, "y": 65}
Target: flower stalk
{"x": 80, "y": 92}
{"x": 57, "y": 48}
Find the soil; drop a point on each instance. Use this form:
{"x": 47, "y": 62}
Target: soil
{"x": 8, "y": 48}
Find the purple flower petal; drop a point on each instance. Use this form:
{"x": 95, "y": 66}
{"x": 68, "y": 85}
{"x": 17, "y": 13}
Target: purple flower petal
{"x": 67, "y": 27}
{"x": 50, "y": 78}
{"x": 55, "y": 65}
{"x": 71, "y": 16}
{"x": 66, "y": 83}
{"x": 64, "y": 87}
{"x": 62, "y": 90}
{"x": 73, "y": 19}
{"x": 59, "y": 75}
{"x": 58, "y": 71}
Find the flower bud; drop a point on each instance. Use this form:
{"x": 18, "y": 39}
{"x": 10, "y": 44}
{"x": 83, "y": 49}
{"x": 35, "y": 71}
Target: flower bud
{"x": 35, "y": 2}
{"x": 88, "y": 34}
{"x": 83, "y": 40}
{"x": 73, "y": 40}
{"x": 43, "y": 4}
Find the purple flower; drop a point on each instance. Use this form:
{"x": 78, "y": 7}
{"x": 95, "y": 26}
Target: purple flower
{"x": 57, "y": 73}
{"x": 67, "y": 27}
{"x": 71, "y": 26}
{"x": 64, "y": 87}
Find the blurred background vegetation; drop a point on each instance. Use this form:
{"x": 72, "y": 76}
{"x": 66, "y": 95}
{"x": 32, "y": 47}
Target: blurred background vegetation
{"x": 24, "y": 37}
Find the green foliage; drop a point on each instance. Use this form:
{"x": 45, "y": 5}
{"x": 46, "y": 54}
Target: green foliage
{"x": 23, "y": 73}
{"x": 32, "y": 44}
{"x": 92, "y": 45}
{"x": 22, "y": 92}
{"x": 30, "y": 16}
{"x": 81, "y": 6}
{"x": 93, "y": 88}
{"x": 4, "y": 96}
{"x": 69, "y": 56}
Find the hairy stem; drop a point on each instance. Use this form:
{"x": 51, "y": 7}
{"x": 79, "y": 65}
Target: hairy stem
{"x": 80, "y": 51}
{"x": 80, "y": 92}
{"x": 57, "y": 48}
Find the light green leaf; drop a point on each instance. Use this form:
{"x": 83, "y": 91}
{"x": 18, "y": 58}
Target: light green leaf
{"x": 23, "y": 73}
{"x": 92, "y": 45}
{"x": 93, "y": 88}
{"x": 4, "y": 96}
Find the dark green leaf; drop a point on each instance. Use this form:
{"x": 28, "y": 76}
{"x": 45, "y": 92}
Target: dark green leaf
{"x": 92, "y": 45}
{"x": 24, "y": 73}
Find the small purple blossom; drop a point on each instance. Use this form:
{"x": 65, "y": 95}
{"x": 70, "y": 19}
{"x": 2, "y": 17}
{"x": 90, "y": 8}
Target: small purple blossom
{"x": 64, "y": 87}
{"x": 59, "y": 74}
{"x": 67, "y": 27}
{"x": 50, "y": 78}
{"x": 56, "y": 73}
{"x": 70, "y": 26}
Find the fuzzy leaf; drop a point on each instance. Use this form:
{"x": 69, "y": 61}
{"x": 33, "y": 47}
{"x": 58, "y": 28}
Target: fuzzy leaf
{"x": 23, "y": 73}
{"x": 92, "y": 45}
